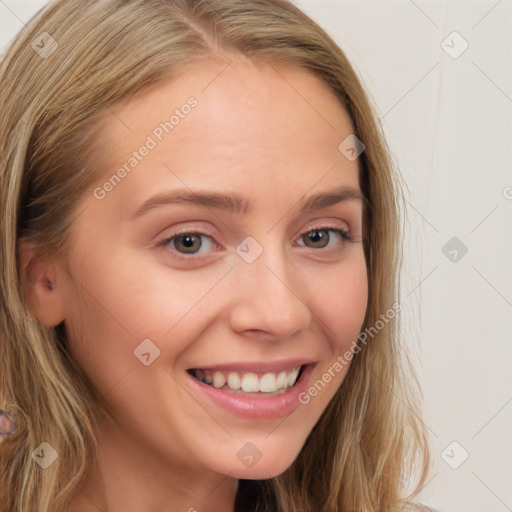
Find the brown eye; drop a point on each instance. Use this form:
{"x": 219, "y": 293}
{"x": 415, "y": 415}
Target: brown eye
{"x": 320, "y": 238}
{"x": 188, "y": 243}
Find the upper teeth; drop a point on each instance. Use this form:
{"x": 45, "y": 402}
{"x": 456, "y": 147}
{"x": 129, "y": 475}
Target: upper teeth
{"x": 250, "y": 382}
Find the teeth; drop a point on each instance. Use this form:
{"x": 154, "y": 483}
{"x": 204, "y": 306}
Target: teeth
{"x": 268, "y": 383}
{"x": 249, "y": 382}
{"x": 282, "y": 380}
{"x": 218, "y": 379}
{"x": 293, "y": 376}
{"x": 234, "y": 381}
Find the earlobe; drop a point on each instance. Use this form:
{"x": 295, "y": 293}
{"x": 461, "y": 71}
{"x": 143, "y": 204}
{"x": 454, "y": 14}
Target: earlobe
{"x": 41, "y": 280}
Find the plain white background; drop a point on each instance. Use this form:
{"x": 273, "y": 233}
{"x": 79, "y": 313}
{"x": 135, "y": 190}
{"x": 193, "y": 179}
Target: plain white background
{"x": 447, "y": 114}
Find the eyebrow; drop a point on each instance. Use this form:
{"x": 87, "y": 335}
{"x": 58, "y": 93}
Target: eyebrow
{"x": 234, "y": 203}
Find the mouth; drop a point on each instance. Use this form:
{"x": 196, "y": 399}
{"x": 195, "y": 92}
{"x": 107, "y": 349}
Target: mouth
{"x": 249, "y": 382}
{"x": 253, "y": 390}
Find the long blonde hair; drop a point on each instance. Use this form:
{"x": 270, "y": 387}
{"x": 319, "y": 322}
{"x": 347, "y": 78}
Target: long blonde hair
{"x": 370, "y": 443}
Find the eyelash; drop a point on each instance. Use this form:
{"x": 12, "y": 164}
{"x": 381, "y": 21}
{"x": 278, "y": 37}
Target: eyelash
{"x": 345, "y": 235}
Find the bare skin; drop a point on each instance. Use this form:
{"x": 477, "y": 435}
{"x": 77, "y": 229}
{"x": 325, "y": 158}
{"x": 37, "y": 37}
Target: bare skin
{"x": 251, "y": 133}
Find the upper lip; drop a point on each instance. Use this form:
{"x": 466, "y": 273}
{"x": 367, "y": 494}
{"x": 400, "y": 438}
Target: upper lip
{"x": 255, "y": 366}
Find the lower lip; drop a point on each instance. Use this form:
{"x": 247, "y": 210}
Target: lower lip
{"x": 265, "y": 407}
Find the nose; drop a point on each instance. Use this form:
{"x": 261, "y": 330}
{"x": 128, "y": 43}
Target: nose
{"x": 270, "y": 296}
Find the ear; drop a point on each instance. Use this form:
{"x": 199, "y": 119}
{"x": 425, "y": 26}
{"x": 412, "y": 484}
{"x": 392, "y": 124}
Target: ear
{"x": 42, "y": 284}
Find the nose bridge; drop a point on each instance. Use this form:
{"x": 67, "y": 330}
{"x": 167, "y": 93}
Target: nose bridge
{"x": 268, "y": 297}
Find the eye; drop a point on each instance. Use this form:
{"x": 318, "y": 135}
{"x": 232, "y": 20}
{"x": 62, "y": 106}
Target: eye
{"x": 320, "y": 237}
{"x": 188, "y": 243}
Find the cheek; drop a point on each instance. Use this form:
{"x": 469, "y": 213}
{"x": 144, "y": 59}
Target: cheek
{"x": 342, "y": 309}
{"x": 114, "y": 305}
{"x": 344, "y": 304}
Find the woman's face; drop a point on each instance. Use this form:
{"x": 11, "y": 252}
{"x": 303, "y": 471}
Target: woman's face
{"x": 158, "y": 284}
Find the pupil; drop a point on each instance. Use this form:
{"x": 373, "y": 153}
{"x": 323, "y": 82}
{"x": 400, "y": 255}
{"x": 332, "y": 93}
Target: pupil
{"x": 318, "y": 236}
{"x": 187, "y": 241}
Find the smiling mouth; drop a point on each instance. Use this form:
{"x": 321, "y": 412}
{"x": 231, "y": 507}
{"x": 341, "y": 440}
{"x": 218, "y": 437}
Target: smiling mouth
{"x": 250, "y": 383}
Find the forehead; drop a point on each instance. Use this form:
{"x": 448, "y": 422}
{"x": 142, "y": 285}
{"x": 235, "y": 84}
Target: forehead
{"x": 252, "y": 127}
{"x": 238, "y": 102}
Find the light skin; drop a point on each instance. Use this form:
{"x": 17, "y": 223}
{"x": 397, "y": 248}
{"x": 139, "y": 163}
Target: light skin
{"x": 254, "y": 135}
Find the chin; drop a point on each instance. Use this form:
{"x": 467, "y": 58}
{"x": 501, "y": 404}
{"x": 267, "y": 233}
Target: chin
{"x": 265, "y": 467}
{"x": 262, "y": 472}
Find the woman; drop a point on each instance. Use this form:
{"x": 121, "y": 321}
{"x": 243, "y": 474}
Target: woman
{"x": 199, "y": 260}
